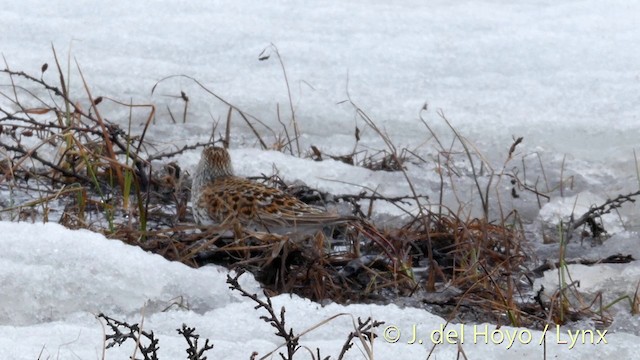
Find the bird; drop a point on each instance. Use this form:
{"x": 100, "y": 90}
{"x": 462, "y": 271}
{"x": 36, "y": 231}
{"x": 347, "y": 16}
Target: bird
{"x": 220, "y": 197}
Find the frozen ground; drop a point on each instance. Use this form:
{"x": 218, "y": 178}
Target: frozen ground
{"x": 54, "y": 280}
{"x": 562, "y": 75}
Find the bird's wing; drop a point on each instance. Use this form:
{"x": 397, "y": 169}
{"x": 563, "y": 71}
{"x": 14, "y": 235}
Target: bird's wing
{"x": 251, "y": 201}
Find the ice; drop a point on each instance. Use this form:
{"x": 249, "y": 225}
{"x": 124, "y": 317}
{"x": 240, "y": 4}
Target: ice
{"x": 623, "y": 243}
{"x": 593, "y": 279}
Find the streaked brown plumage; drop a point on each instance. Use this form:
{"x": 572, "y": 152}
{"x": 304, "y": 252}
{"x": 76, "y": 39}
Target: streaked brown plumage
{"x": 218, "y": 196}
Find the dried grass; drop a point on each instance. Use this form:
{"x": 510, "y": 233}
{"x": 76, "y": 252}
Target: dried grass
{"x": 97, "y": 164}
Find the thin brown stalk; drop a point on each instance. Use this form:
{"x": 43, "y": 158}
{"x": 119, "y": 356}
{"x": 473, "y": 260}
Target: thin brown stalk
{"x": 106, "y": 135}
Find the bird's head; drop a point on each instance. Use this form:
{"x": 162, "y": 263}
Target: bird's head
{"x": 215, "y": 162}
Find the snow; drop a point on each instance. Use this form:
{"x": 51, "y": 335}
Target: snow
{"x": 43, "y": 257}
{"x": 55, "y": 280}
{"x": 563, "y": 75}
{"x": 561, "y": 209}
{"x": 558, "y": 74}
